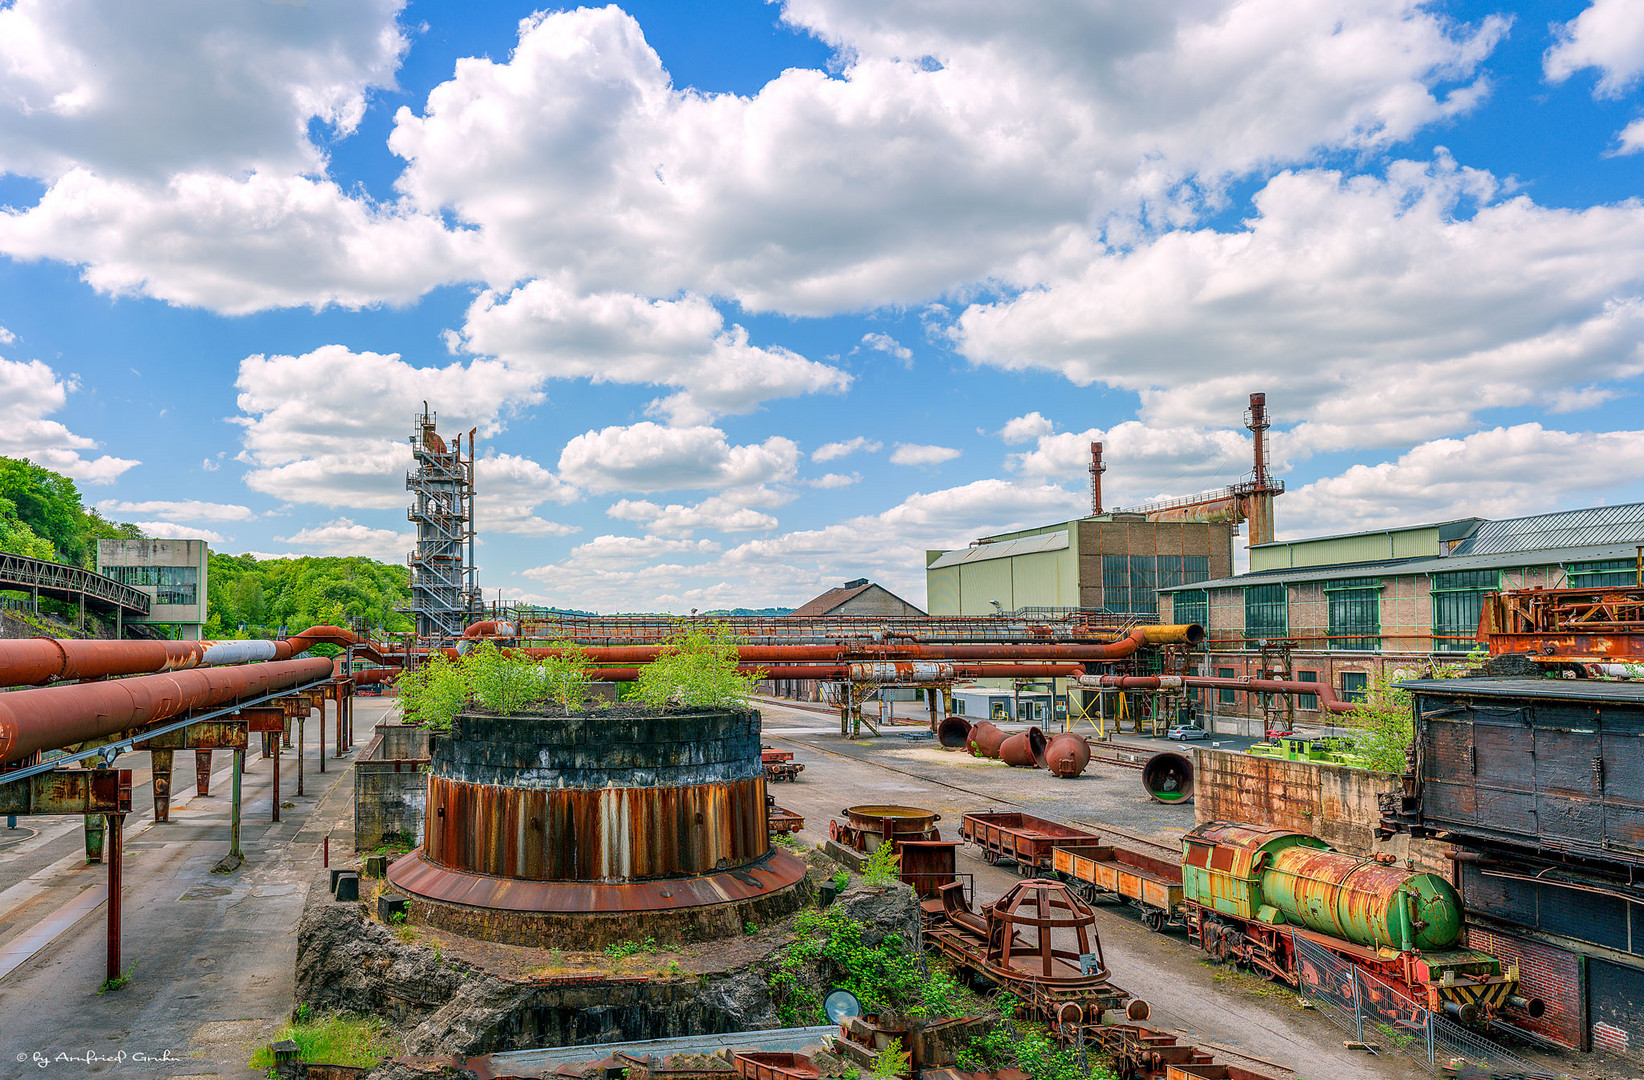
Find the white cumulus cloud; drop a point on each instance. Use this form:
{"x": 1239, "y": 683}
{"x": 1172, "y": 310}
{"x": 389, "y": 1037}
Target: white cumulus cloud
{"x": 31, "y": 391}
{"x": 343, "y": 536}
{"x": 921, "y": 454}
{"x": 648, "y": 457}
{"x": 861, "y": 444}
{"x": 1609, "y": 36}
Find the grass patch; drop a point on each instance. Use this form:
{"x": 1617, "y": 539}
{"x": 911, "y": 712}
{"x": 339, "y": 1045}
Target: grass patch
{"x": 340, "y": 1039}
{"x": 117, "y": 982}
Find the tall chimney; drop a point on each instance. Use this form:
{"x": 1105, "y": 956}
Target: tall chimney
{"x": 1257, "y": 423}
{"x": 1096, "y": 471}
{"x": 1260, "y": 504}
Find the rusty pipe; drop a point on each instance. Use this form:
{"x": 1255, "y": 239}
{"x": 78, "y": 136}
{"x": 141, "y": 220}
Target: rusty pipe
{"x": 1324, "y": 691}
{"x": 1024, "y": 750}
{"x": 505, "y": 628}
{"x": 839, "y": 672}
{"x": 53, "y": 717}
{"x": 36, "y": 661}
{"x": 327, "y": 634}
{"x": 1188, "y": 634}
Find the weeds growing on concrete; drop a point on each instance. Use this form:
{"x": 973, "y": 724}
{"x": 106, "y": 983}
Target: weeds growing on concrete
{"x": 622, "y": 950}
{"x": 338, "y": 1039}
{"x": 118, "y": 981}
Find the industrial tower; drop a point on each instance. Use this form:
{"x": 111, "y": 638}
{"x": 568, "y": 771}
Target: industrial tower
{"x": 444, "y": 592}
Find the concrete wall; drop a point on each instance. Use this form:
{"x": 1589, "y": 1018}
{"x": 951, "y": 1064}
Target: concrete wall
{"x": 1338, "y": 805}
{"x": 391, "y": 787}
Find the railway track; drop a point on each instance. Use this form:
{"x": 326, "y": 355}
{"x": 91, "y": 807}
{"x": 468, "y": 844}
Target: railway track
{"x": 1133, "y": 839}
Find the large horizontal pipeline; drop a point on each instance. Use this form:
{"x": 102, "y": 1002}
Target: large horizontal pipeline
{"x": 37, "y": 661}
{"x": 891, "y": 651}
{"x": 840, "y": 672}
{"x": 52, "y": 717}
{"x": 1323, "y": 691}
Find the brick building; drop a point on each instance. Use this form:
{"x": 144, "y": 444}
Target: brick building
{"x": 1388, "y": 602}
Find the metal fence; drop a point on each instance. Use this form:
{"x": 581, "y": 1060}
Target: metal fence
{"x": 1376, "y": 1016}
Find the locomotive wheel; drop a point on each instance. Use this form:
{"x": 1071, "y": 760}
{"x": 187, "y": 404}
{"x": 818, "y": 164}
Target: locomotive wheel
{"x": 1153, "y": 920}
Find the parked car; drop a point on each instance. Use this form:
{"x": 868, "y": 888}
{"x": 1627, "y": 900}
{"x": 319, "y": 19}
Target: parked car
{"x": 1185, "y": 732}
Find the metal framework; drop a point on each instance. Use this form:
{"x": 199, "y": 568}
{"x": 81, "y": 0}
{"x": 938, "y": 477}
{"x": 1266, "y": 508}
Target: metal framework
{"x": 1566, "y": 625}
{"x": 1033, "y": 626}
{"x": 444, "y": 591}
{"x": 63, "y": 582}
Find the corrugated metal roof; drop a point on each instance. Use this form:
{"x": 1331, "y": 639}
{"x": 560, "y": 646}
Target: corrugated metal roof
{"x": 1502, "y": 560}
{"x": 1564, "y": 689}
{"x": 1004, "y": 549}
{"x": 1567, "y": 528}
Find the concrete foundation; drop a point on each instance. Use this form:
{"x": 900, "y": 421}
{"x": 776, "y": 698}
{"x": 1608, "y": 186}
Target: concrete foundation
{"x": 391, "y": 787}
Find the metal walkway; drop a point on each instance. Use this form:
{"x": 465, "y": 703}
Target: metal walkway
{"x": 70, "y": 584}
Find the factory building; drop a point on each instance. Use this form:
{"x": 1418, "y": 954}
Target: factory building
{"x": 1346, "y": 609}
{"x": 171, "y": 572}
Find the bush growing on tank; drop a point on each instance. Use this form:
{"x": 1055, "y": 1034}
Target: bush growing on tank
{"x": 504, "y": 682}
{"x": 434, "y": 693}
{"x": 565, "y": 677}
{"x": 698, "y": 670}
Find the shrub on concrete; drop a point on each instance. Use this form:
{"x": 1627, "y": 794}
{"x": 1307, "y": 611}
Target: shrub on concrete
{"x": 434, "y": 693}
{"x": 565, "y": 676}
{"x": 506, "y": 683}
{"x": 698, "y": 670}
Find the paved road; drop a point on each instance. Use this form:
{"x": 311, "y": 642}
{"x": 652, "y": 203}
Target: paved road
{"x": 210, "y": 956}
{"x": 1185, "y": 995}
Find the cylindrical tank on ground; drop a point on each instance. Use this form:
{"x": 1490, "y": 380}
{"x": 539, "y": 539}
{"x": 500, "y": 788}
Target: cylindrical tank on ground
{"x": 1067, "y": 755}
{"x": 1361, "y": 900}
{"x": 953, "y": 733}
{"x": 871, "y": 824}
{"x": 550, "y": 819}
{"x": 1025, "y": 749}
{"x": 985, "y": 737}
{"x": 1168, "y": 778}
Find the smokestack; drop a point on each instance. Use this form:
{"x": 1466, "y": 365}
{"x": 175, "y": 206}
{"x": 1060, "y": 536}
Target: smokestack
{"x": 1096, "y": 471}
{"x": 1260, "y": 505}
{"x": 1257, "y": 423}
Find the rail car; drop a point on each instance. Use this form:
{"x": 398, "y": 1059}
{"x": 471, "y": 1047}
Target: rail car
{"x": 1023, "y": 839}
{"x": 1152, "y": 884}
{"x": 1249, "y": 893}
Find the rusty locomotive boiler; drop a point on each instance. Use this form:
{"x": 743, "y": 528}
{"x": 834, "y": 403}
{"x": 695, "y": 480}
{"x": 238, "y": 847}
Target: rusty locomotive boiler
{"x": 576, "y": 831}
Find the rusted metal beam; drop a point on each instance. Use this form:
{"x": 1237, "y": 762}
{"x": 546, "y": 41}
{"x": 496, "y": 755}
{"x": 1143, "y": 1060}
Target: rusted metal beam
{"x": 69, "y": 791}
{"x": 160, "y": 767}
{"x": 116, "y": 830}
{"x": 205, "y": 736}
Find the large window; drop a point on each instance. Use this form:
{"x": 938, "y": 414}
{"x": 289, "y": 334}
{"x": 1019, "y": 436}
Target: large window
{"x": 171, "y": 584}
{"x": 1131, "y": 583}
{"x": 1593, "y": 575}
{"x": 1192, "y": 606}
{"x": 1265, "y": 612}
{"x": 1307, "y": 702}
{"x": 1355, "y": 613}
{"x": 1458, "y": 598}
{"x": 1224, "y": 696}
{"x": 1353, "y": 685}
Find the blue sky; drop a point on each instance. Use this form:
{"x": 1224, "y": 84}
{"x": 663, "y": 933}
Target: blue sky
{"x": 748, "y": 298}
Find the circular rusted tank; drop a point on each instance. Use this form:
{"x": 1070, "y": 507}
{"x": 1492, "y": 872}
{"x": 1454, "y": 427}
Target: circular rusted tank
{"x": 535, "y": 825}
{"x": 1168, "y": 778}
{"x": 985, "y": 737}
{"x": 1025, "y": 749}
{"x": 1067, "y": 755}
{"x": 868, "y": 825}
{"x": 953, "y": 733}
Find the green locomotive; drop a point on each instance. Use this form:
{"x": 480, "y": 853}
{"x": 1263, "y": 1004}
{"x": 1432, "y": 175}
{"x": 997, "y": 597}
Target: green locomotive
{"x": 1247, "y": 893}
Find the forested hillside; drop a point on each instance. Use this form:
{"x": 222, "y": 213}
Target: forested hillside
{"x": 257, "y": 596}
{"x": 41, "y": 516}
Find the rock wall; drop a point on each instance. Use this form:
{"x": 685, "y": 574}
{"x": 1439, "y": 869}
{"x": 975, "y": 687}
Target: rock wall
{"x": 347, "y": 962}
